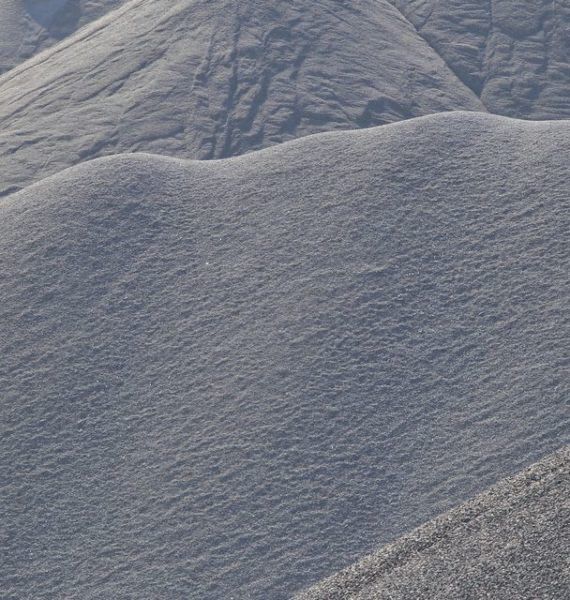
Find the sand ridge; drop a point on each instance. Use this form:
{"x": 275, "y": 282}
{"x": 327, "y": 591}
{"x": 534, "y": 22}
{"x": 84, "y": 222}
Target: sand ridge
{"x": 236, "y": 377}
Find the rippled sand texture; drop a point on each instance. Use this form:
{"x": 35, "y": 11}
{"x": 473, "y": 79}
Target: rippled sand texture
{"x": 232, "y": 378}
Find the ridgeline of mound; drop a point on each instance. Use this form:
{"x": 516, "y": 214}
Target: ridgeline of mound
{"x": 233, "y": 378}
{"x": 509, "y": 542}
{"x": 202, "y": 79}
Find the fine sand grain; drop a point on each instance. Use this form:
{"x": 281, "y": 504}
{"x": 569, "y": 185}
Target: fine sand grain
{"x": 233, "y": 378}
{"x": 512, "y": 541}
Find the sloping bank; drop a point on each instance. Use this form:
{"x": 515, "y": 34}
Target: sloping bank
{"x": 236, "y": 377}
{"x": 512, "y": 541}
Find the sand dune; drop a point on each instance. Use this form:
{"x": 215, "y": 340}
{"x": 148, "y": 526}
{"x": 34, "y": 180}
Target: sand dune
{"x": 232, "y": 378}
{"x": 201, "y": 79}
{"x": 509, "y": 542}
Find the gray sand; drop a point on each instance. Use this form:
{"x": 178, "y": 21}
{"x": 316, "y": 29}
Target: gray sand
{"x": 513, "y": 541}
{"x": 202, "y": 79}
{"x": 229, "y": 379}
{"x": 29, "y": 26}
{"x": 513, "y": 53}
{"x": 211, "y": 79}
{"x": 232, "y": 378}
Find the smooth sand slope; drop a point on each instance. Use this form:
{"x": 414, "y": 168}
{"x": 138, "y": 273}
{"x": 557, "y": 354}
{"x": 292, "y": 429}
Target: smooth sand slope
{"x": 232, "y": 378}
{"x": 29, "y": 26}
{"x": 514, "y": 54}
{"x": 510, "y": 542}
{"x": 203, "y": 79}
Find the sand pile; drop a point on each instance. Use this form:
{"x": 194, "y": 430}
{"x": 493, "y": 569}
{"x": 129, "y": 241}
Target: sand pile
{"x": 233, "y": 378}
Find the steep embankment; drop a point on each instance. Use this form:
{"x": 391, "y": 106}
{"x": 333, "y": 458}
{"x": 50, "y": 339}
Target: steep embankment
{"x": 232, "y": 378}
{"x": 201, "y": 79}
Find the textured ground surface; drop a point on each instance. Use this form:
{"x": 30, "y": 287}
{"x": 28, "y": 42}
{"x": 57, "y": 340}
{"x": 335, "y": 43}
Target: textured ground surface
{"x": 211, "y": 79}
{"x": 515, "y": 54}
{"x": 510, "y": 542}
{"x": 232, "y": 378}
{"x": 29, "y": 26}
{"x": 201, "y": 79}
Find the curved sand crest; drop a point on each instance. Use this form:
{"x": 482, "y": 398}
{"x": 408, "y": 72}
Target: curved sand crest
{"x": 202, "y": 79}
{"x": 510, "y": 542}
{"x": 236, "y": 377}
